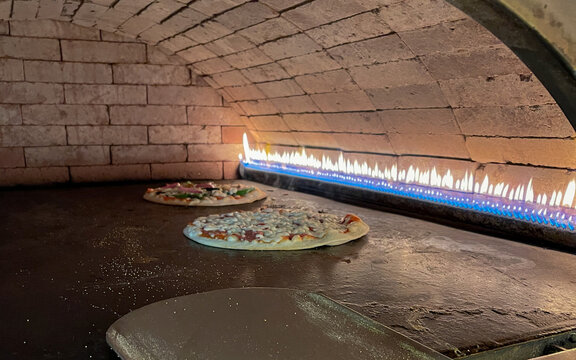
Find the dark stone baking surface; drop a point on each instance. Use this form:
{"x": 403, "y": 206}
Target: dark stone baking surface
{"x": 74, "y": 260}
{"x": 242, "y": 324}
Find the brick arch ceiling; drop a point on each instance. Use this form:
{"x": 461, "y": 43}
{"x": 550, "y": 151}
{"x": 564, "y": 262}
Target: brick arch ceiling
{"x": 402, "y": 77}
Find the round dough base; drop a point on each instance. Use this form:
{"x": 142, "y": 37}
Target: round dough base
{"x": 357, "y": 230}
{"x": 251, "y": 197}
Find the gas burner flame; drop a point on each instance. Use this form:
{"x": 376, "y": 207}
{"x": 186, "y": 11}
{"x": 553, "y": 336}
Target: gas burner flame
{"x": 428, "y": 184}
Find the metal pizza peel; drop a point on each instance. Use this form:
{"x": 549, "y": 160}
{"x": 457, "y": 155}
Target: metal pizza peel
{"x": 257, "y": 323}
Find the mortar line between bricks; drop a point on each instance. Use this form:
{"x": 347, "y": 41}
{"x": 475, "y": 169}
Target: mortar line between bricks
{"x": 201, "y": 23}
{"x": 404, "y": 133}
{"x": 300, "y": 31}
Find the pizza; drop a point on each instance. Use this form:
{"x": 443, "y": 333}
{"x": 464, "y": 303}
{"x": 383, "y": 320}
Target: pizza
{"x": 275, "y": 229}
{"x": 204, "y": 194}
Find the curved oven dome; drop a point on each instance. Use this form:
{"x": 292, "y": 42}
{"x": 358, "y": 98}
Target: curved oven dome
{"x": 416, "y": 81}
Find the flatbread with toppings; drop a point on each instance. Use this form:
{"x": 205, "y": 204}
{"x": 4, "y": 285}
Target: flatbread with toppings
{"x": 204, "y": 194}
{"x": 275, "y": 229}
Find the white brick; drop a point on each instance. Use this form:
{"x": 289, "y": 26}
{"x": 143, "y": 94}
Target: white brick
{"x": 61, "y": 72}
{"x": 154, "y": 34}
{"x": 188, "y": 171}
{"x": 24, "y": 10}
{"x": 176, "y": 44}
{"x": 151, "y": 74}
{"x": 67, "y": 155}
{"x": 89, "y": 13}
{"x": 352, "y": 29}
{"x": 299, "y": 122}
{"x": 228, "y": 45}
{"x": 184, "y": 134}
{"x": 292, "y": 46}
{"x": 419, "y": 121}
{"x": 353, "y": 122}
{"x": 12, "y": 157}
{"x": 271, "y": 123}
{"x": 329, "y": 81}
{"x": 117, "y": 37}
{"x": 400, "y": 73}
{"x": 310, "y": 63}
{"x": 267, "y": 72}
{"x": 4, "y": 29}
{"x": 160, "y": 56}
{"x": 11, "y": 70}
{"x": 64, "y": 114}
{"x": 148, "y": 115}
{"x": 10, "y": 115}
{"x": 373, "y": 51}
{"x": 50, "y": 9}
{"x": 212, "y": 66}
{"x": 343, "y": 101}
{"x": 107, "y": 135}
{"x": 248, "y": 58}
{"x": 214, "y": 152}
{"x": 31, "y": 93}
{"x": 505, "y": 90}
{"x": 207, "y": 32}
{"x": 142, "y": 154}
{"x": 415, "y": 14}
{"x": 183, "y": 20}
{"x": 269, "y": 30}
{"x": 136, "y": 24}
{"x": 527, "y": 121}
{"x": 203, "y": 115}
{"x": 32, "y": 135}
{"x": 432, "y": 145}
{"x": 52, "y": 29}
{"x": 28, "y": 48}
{"x": 132, "y": 6}
{"x": 543, "y": 152}
{"x": 408, "y": 97}
{"x": 106, "y": 52}
{"x": 322, "y": 12}
{"x": 246, "y": 15}
{"x": 230, "y": 78}
{"x": 69, "y": 8}
{"x": 196, "y": 53}
{"x": 211, "y": 7}
{"x": 160, "y": 10}
{"x": 5, "y": 9}
{"x": 105, "y": 94}
{"x": 183, "y": 95}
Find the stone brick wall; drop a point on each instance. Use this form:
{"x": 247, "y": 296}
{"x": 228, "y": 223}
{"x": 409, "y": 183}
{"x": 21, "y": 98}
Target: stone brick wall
{"x": 84, "y": 105}
{"x": 411, "y": 80}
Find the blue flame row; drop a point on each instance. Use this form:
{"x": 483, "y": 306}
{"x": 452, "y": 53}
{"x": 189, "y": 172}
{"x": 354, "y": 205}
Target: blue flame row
{"x": 555, "y": 217}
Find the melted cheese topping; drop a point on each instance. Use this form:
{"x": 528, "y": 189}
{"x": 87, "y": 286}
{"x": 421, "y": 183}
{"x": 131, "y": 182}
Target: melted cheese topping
{"x": 269, "y": 225}
{"x": 206, "y": 192}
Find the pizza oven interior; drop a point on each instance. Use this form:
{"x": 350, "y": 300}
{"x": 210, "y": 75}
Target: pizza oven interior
{"x": 448, "y": 126}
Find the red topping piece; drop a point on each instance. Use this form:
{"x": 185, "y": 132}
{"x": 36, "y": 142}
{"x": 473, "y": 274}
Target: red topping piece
{"x": 170, "y": 186}
{"x": 216, "y": 234}
{"x": 190, "y": 190}
{"x": 250, "y": 235}
{"x": 349, "y": 218}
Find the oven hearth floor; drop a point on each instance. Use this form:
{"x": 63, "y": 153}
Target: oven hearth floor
{"x": 73, "y": 260}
